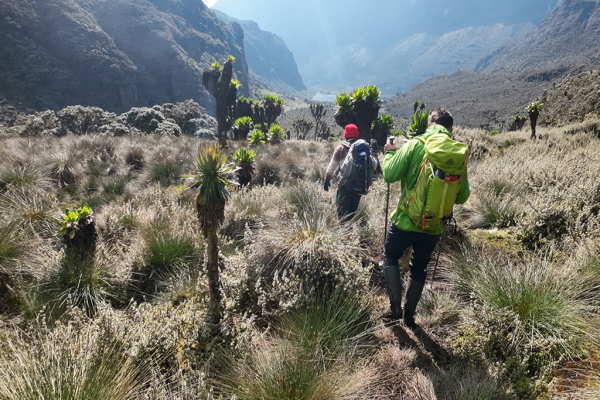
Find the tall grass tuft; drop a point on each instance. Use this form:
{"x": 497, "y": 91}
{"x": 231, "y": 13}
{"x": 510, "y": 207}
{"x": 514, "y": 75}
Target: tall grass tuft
{"x": 70, "y": 279}
{"x": 22, "y": 175}
{"x": 320, "y": 356}
{"x": 169, "y": 253}
{"x": 526, "y": 315}
{"x": 548, "y": 301}
{"x": 305, "y": 255}
{"x": 31, "y": 209}
{"x": 84, "y": 369}
{"x": 493, "y": 210}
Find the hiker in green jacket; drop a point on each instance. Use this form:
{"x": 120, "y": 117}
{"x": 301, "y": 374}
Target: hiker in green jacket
{"x": 406, "y": 165}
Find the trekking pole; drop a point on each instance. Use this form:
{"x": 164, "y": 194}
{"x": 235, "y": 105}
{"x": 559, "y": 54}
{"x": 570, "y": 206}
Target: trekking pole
{"x": 437, "y": 259}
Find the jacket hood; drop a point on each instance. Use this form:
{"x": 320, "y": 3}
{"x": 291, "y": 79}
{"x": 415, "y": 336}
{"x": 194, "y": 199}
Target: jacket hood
{"x": 435, "y": 128}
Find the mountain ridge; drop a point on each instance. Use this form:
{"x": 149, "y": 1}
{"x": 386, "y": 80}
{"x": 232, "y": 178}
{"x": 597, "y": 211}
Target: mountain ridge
{"x": 113, "y": 54}
{"x": 268, "y": 56}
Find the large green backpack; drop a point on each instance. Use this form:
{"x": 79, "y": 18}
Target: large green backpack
{"x": 430, "y": 202}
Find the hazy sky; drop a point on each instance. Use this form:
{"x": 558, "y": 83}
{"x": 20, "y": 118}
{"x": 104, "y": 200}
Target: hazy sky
{"x": 309, "y": 26}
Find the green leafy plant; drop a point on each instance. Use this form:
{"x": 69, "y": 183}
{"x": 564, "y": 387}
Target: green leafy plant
{"x": 230, "y": 58}
{"x": 234, "y": 83}
{"x": 244, "y": 158}
{"x": 216, "y": 66}
{"x": 244, "y": 123}
{"x": 493, "y": 133}
{"x": 418, "y": 123}
{"x": 270, "y": 99}
{"x": 344, "y": 103}
{"x": 535, "y": 106}
{"x": 358, "y": 95}
{"x": 73, "y": 221}
{"x": 256, "y": 137}
{"x": 372, "y": 94}
{"x": 276, "y": 134}
{"x": 384, "y": 123}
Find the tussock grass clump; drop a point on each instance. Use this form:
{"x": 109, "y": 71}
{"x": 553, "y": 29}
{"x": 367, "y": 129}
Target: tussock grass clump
{"x": 51, "y": 370}
{"x": 29, "y": 209}
{"x": 142, "y": 353}
{"x": 64, "y": 168}
{"x": 321, "y": 355}
{"x": 305, "y": 198}
{"x": 529, "y": 315}
{"x": 23, "y": 175}
{"x": 304, "y": 256}
{"x": 493, "y": 210}
{"x": 70, "y": 279}
{"x": 267, "y": 171}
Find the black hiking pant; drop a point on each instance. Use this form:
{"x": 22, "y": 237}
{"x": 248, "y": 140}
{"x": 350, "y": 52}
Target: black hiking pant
{"x": 347, "y": 204}
{"x": 423, "y": 246}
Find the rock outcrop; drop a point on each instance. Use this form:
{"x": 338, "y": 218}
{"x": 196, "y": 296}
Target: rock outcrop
{"x": 113, "y": 54}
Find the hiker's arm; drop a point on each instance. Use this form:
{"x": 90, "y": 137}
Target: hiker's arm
{"x": 465, "y": 191}
{"x": 334, "y": 163}
{"x": 395, "y": 163}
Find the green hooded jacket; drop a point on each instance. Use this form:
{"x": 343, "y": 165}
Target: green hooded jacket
{"x": 404, "y": 165}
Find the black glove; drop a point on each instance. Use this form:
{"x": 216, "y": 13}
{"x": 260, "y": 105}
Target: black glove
{"x": 373, "y": 145}
{"x": 326, "y": 185}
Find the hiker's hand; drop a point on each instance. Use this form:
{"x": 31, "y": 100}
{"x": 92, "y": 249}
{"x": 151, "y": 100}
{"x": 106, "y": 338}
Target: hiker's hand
{"x": 389, "y": 147}
{"x": 326, "y": 185}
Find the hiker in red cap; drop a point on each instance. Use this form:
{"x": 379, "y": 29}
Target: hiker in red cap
{"x": 352, "y": 163}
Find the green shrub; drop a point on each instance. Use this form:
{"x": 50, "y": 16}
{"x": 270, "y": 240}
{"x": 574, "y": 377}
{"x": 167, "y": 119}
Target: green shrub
{"x": 383, "y": 123}
{"x": 276, "y": 134}
{"x": 244, "y": 123}
{"x": 493, "y": 133}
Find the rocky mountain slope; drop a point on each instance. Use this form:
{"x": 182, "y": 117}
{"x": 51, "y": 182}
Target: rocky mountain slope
{"x": 570, "y": 36}
{"x": 551, "y": 63}
{"x": 112, "y": 53}
{"x": 268, "y": 57}
{"x": 409, "y": 61}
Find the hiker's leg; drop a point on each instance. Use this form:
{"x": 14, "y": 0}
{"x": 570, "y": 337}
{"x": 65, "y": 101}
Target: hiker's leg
{"x": 345, "y": 203}
{"x": 421, "y": 253}
{"x": 396, "y": 242}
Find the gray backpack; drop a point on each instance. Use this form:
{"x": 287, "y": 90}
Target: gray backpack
{"x": 356, "y": 171}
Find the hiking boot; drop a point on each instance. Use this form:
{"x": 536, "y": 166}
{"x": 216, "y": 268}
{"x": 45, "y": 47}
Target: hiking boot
{"x": 413, "y": 295}
{"x": 393, "y": 283}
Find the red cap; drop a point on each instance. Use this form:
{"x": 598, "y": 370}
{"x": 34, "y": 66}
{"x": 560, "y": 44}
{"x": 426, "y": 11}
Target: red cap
{"x": 351, "y": 131}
